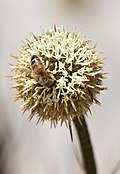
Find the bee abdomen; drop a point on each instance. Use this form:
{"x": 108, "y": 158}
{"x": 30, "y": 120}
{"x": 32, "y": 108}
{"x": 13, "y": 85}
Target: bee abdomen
{"x": 47, "y": 80}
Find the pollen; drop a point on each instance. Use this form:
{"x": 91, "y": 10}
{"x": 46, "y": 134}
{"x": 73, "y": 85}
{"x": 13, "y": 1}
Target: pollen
{"x": 76, "y": 67}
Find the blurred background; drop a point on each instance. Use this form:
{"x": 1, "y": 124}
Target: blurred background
{"x": 29, "y": 149}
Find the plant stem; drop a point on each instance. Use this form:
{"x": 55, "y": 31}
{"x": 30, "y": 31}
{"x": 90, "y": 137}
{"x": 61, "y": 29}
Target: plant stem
{"x": 86, "y": 146}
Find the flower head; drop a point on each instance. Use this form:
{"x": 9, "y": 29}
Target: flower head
{"x": 70, "y": 63}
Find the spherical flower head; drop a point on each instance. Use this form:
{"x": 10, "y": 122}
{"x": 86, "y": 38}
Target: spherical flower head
{"x": 71, "y": 63}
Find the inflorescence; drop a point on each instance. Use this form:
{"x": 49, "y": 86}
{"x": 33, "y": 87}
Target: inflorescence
{"x": 76, "y": 68}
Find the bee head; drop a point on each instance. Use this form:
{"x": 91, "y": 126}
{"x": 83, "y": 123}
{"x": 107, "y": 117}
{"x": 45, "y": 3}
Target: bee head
{"x": 34, "y": 57}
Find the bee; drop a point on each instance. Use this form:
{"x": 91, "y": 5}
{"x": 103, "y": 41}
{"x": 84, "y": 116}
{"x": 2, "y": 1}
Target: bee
{"x": 45, "y": 78}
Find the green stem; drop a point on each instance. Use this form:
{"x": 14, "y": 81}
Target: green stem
{"x": 86, "y": 146}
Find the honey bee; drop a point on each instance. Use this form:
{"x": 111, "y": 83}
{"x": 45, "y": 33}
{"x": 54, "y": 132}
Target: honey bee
{"x": 45, "y": 78}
